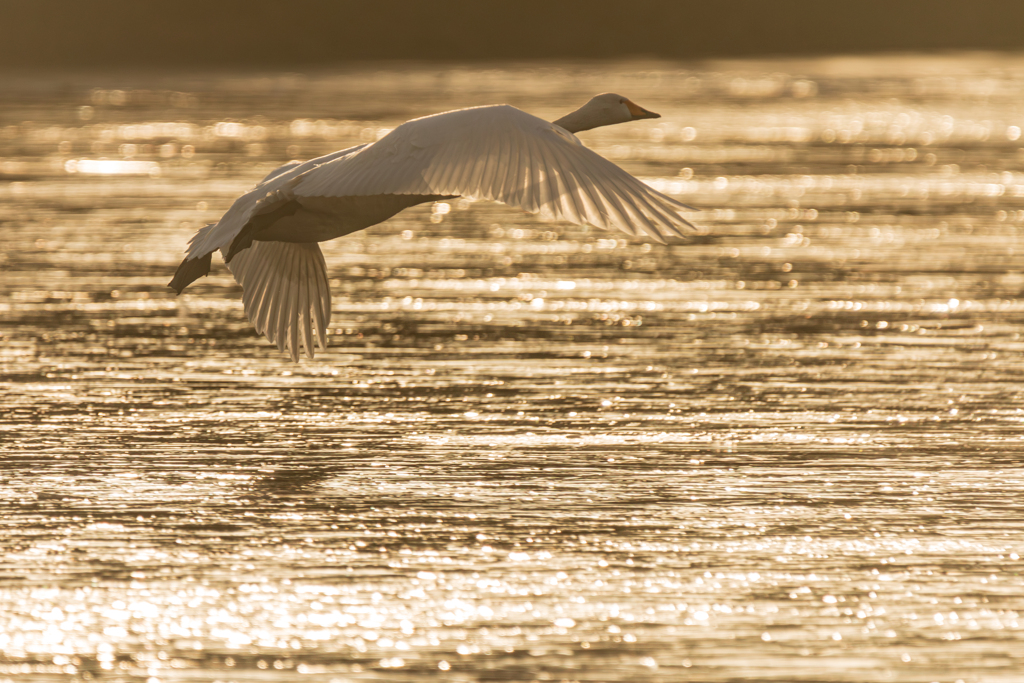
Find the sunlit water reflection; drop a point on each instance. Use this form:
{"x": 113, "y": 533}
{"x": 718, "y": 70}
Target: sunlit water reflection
{"x": 789, "y": 450}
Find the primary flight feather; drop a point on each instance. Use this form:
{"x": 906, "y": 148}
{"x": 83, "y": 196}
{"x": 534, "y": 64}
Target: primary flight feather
{"x": 269, "y": 235}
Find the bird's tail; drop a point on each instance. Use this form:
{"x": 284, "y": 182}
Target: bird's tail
{"x": 191, "y": 269}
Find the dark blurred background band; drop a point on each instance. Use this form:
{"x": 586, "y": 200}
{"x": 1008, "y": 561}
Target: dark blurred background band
{"x": 294, "y": 33}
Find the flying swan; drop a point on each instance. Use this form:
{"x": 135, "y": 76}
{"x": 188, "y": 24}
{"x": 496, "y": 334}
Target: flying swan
{"x": 269, "y": 235}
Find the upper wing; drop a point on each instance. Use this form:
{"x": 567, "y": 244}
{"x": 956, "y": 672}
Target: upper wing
{"x": 503, "y": 154}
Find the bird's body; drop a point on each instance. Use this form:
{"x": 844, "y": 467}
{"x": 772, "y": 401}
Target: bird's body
{"x": 269, "y": 235}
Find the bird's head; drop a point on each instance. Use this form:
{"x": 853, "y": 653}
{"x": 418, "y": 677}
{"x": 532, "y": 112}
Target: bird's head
{"x": 604, "y": 110}
{"x": 619, "y": 108}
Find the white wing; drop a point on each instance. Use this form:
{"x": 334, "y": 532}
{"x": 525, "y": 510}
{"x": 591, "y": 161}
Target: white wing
{"x": 286, "y": 293}
{"x": 502, "y": 154}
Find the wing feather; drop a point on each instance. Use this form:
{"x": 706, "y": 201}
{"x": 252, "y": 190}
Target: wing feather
{"x": 550, "y": 198}
{"x": 306, "y": 310}
{"x": 509, "y": 186}
{"x": 586, "y": 192}
{"x": 254, "y": 294}
{"x": 286, "y": 323}
{"x": 463, "y": 166}
{"x": 264, "y": 302}
{"x": 493, "y": 164}
{"x": 322, "y": 296}
{"x": 278, "y": 303}
{"x": 475, "y": 177}
{"x": 303, "y": 324}
{"x": 569, "y": 189}
{"x": 534, "y": 193}
{"x": 442, "y": 173}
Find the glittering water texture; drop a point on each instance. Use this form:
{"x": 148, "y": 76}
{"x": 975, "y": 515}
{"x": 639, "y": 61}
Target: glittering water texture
{"x": 788, "y": 450}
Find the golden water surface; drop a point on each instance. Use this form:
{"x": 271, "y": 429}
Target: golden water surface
{"x": 787, "y": 450}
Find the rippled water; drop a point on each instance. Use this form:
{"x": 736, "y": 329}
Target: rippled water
{"x": 789, "y": 450}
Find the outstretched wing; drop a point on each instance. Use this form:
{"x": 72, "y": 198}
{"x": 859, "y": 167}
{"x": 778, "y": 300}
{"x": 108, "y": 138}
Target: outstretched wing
{"x": 286, "y": 293}
{"x": 503, "y": 154}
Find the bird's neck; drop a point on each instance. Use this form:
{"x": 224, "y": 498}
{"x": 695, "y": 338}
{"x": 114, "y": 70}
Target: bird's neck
{"x": 577, "y": 121}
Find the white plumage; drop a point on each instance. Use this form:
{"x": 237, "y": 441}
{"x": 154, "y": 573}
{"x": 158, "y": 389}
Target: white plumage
{"x": 269, "y": 235}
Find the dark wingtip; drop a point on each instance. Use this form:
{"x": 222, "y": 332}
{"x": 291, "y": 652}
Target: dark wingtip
{"x": 189, "y": 271}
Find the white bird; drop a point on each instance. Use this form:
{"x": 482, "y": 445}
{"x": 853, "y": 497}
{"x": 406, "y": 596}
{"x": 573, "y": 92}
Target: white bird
{"x": 269, "y": 235}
